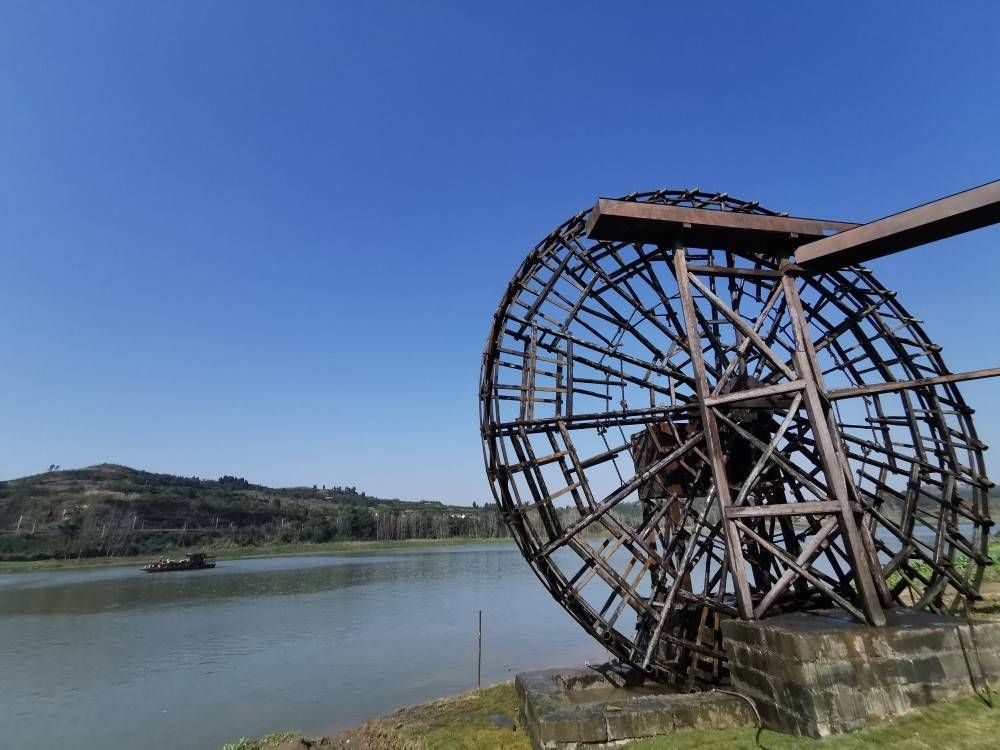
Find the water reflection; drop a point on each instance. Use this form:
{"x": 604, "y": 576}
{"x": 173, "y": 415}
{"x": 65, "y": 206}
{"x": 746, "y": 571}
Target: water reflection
{"x": 91, "y": 594}
{"x": 119, "y": 658}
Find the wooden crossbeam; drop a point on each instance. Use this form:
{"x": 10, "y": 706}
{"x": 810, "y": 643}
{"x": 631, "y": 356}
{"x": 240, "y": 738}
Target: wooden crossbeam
{"x": 784, "y": 509}
{"x": 956, "y": 214}
{"x": 772, "y": 397}
{"x": 757, "y": 397}
{"x": 818, "y": 244}
{"x": 630, "y": 221}
{"x": 902, "y": 385}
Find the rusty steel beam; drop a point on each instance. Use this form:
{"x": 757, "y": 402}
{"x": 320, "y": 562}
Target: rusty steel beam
{"x": 630, "y": 221}
{"x": 956, "y": 214}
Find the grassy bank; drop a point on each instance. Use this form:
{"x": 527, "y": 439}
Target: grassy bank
{"x": 992, "y": 572}
{"x": 484, "y": 719}
{"x": 233, "y": 552}
{"x": 465, "y": 722}
{"x": 109, "y": 510}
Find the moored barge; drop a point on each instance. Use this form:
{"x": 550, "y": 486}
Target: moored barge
{"x": 193, "y": 561}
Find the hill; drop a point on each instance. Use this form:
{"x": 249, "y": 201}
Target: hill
{"x": 116, "y": 510}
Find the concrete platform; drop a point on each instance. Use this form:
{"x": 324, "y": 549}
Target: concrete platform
{"x": 605, "y": 706}
{"x": 824, "y": 673}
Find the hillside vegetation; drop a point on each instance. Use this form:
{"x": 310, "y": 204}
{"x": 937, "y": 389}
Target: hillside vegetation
{"x": 110, "y": 510}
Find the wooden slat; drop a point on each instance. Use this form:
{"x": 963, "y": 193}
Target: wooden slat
{"x": 823, "y": 426}
{"x": 801, "y": 570}
{"x": 616, "y": 497}
{"x": 738, "y": 272}
{"x": 902, "y": 385}
{"x": 713, "y": 442}
{"x": 804, "y": 560}
{"x": 784, "y": 509}
{"x": 743, "y": 327}
{"x": 758, "y": 396}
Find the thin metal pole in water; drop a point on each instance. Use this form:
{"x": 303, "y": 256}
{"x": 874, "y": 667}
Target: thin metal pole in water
{"x": 479, "y": 645}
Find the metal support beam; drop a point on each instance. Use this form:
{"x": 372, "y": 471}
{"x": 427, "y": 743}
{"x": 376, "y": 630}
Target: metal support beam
{"x": 701, "y": 227}
{"x": 956, "y": 214}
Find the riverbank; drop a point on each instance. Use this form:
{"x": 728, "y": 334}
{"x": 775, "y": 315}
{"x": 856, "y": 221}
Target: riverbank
{"x": 309, "y": 642}
{"x": 488, "y": 719}
{"x": 235, "y": 552}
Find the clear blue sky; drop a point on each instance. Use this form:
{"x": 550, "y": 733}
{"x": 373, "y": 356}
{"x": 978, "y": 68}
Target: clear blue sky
{"x": 266, "y": 239}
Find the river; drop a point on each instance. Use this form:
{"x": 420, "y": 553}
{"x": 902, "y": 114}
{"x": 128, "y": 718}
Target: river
{"x": 110, "y": 657}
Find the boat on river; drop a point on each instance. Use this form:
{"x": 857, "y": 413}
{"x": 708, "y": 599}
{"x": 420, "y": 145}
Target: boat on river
{"x": 192, "y": 561}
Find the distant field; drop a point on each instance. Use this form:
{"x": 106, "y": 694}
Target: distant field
{"x": 235, "y": 552}
{"x": 112, "y": 511}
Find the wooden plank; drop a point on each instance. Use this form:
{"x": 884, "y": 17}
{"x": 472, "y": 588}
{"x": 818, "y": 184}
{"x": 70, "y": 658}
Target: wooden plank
{"x": 803, "y": 571}
{"x": 804, "y": 560}
{"x": 956, "y": 214}
{"x": 616, "y": 497}
{"x": 758, "y": 397}
{"x": 743, "y": 327}
{"x": 679, "y": 577}
{"x": 902, "y": 385}
{"x": 760, "y": 465}
{"x": 737, "y": 272}
{"x": 713, "y": 442}
{"x": 701, "y": 227}
{"x": 784, "y": 509}
{"x": 822, "y": 427}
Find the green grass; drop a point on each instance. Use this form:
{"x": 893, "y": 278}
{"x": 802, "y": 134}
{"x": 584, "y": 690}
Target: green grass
{"x": 459, "y": 723}
{"x": 264, "y": 743}
{"x": 963, "y": 725}
{"x": 232, "y": 552}
{"x": 992, "y": 572}
{"x": 463, "y": 723}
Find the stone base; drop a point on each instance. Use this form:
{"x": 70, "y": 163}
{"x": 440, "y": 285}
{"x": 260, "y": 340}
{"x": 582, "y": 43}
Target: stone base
{"x": 605, "y": 706}
{"x": 824, "y": 673}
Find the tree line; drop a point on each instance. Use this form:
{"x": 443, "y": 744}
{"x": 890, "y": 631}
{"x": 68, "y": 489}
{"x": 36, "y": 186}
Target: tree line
{"x": 123, "y": 532}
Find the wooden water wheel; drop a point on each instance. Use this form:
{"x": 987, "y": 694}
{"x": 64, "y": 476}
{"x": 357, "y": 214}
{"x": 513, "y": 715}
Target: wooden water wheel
{"x": 695, "y": 409}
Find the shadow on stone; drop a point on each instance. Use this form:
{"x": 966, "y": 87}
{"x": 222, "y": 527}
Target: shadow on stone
{"x": 606, "y": 705}
{"x": 823, "y": 673}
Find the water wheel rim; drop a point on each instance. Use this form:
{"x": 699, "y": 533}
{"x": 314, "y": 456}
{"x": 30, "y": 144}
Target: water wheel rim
{"x": 583, "y": 315}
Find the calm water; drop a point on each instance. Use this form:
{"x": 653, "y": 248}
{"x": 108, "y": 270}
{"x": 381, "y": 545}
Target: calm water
{"x": 115, "y": 658}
